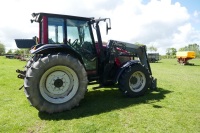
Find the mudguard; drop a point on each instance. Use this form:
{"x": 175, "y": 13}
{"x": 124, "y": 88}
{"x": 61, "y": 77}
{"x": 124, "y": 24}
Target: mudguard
{"x": 153, "y": 81}
{"x": 122, "y": 68}
{"x": 41, "y": 48}
{"x": 55, "y": 48}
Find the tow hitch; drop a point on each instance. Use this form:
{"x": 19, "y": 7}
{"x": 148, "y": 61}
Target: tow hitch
{"x": 21, "y": 74}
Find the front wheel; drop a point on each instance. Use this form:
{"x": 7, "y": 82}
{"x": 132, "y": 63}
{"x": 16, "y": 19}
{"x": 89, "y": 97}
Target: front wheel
{"x": 134, "y": 81}
{"x": 55, "y": 83}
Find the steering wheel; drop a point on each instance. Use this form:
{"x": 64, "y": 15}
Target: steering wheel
{"x": 88, "y": 51}
{"x": 50, "y": 40}
{"x": 74, "y": 43}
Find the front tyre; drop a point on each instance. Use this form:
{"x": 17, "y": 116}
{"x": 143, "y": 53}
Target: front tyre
{"x": 134, "y": 81}
{"x": 55, "y": 83}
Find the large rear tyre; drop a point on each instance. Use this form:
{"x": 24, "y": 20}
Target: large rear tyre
{"x": 134, "y": 81}
{"x": 55, "y": 83}
{"x": 30, "y": 62}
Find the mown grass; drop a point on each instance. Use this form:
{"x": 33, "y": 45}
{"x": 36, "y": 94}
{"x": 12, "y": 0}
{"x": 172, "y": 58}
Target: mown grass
{"x": 174, "y": 107}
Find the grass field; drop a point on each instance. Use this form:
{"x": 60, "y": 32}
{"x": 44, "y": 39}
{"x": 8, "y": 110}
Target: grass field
{"x": 174, "y": 108}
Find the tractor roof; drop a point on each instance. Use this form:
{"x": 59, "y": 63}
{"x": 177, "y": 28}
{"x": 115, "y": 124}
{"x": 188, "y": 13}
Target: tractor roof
{"x": 38, "y": 16}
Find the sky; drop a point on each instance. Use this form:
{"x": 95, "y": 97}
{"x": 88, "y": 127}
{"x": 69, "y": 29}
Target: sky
{"x": 159, "y": 23}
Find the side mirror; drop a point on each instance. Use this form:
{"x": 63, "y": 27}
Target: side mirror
{"x": 108, "y": 27}
{"x": 32, "y": 20}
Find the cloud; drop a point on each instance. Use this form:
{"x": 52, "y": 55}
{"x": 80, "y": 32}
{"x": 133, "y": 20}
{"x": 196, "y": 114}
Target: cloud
{"x": 196, "y": 13}
{"x": 187, "y": 34}
{"x": 154, "y": 23}
{"x": 157, "y": 22}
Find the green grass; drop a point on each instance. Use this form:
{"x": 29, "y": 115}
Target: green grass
{"x": 175, "y": 107}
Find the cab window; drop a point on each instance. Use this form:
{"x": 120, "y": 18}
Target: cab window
{"x": 55, "y": 30}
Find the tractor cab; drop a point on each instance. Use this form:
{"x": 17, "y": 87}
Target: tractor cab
{"x": 72, "y": 34}
{"x": 63, "y": 29}
{"x": 75, "y": 33}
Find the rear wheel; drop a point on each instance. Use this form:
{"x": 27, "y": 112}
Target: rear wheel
{"x": 30, "y": 62}
{"x": 134, "y": 81}
{"x": 55, "y": 83}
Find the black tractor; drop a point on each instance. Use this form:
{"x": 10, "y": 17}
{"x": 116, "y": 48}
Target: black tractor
{"x": 67, "y": 57}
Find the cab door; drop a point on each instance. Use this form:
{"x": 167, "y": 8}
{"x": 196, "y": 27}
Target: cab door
{"x": 80, "y": 38}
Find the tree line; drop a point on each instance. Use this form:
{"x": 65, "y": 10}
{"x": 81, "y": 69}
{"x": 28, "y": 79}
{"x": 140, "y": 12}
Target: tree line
{"x": 171, "y": 52}
{"x": 2, "y": 49}
{"x": 10, "y": 51}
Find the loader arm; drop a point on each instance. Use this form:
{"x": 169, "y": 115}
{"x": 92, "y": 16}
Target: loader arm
{"x": 132, "y": 51}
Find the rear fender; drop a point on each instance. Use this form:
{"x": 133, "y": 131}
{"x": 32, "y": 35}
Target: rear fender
{"x": 122, "y": 68}
{"x": 55, "y": 48}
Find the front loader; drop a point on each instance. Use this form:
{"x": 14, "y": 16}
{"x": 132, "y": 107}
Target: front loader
{"x": 66, "y": 58}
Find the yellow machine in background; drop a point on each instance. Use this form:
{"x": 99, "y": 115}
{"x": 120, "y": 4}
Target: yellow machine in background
{"x": 184, "y": 56}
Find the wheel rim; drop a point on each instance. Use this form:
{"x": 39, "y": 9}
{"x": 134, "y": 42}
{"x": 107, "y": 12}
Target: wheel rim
{"x": 137, "y": 81}
{"x": 59, "y": 84}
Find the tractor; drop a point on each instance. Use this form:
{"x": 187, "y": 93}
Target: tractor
{"x": 69, "y": 54}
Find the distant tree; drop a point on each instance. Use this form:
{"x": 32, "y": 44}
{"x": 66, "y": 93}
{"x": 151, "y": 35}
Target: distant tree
{"x": 9, "y": 51}
{"x": 192, "y": 47}
{"x": 182, "y": 49}
{"x": 152, "y": 49}
{"x": 171, "y": 52}
{"x": 139, "y": 44}
{"x": 19, "y": 51}
{"x": 2, "y": 49}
